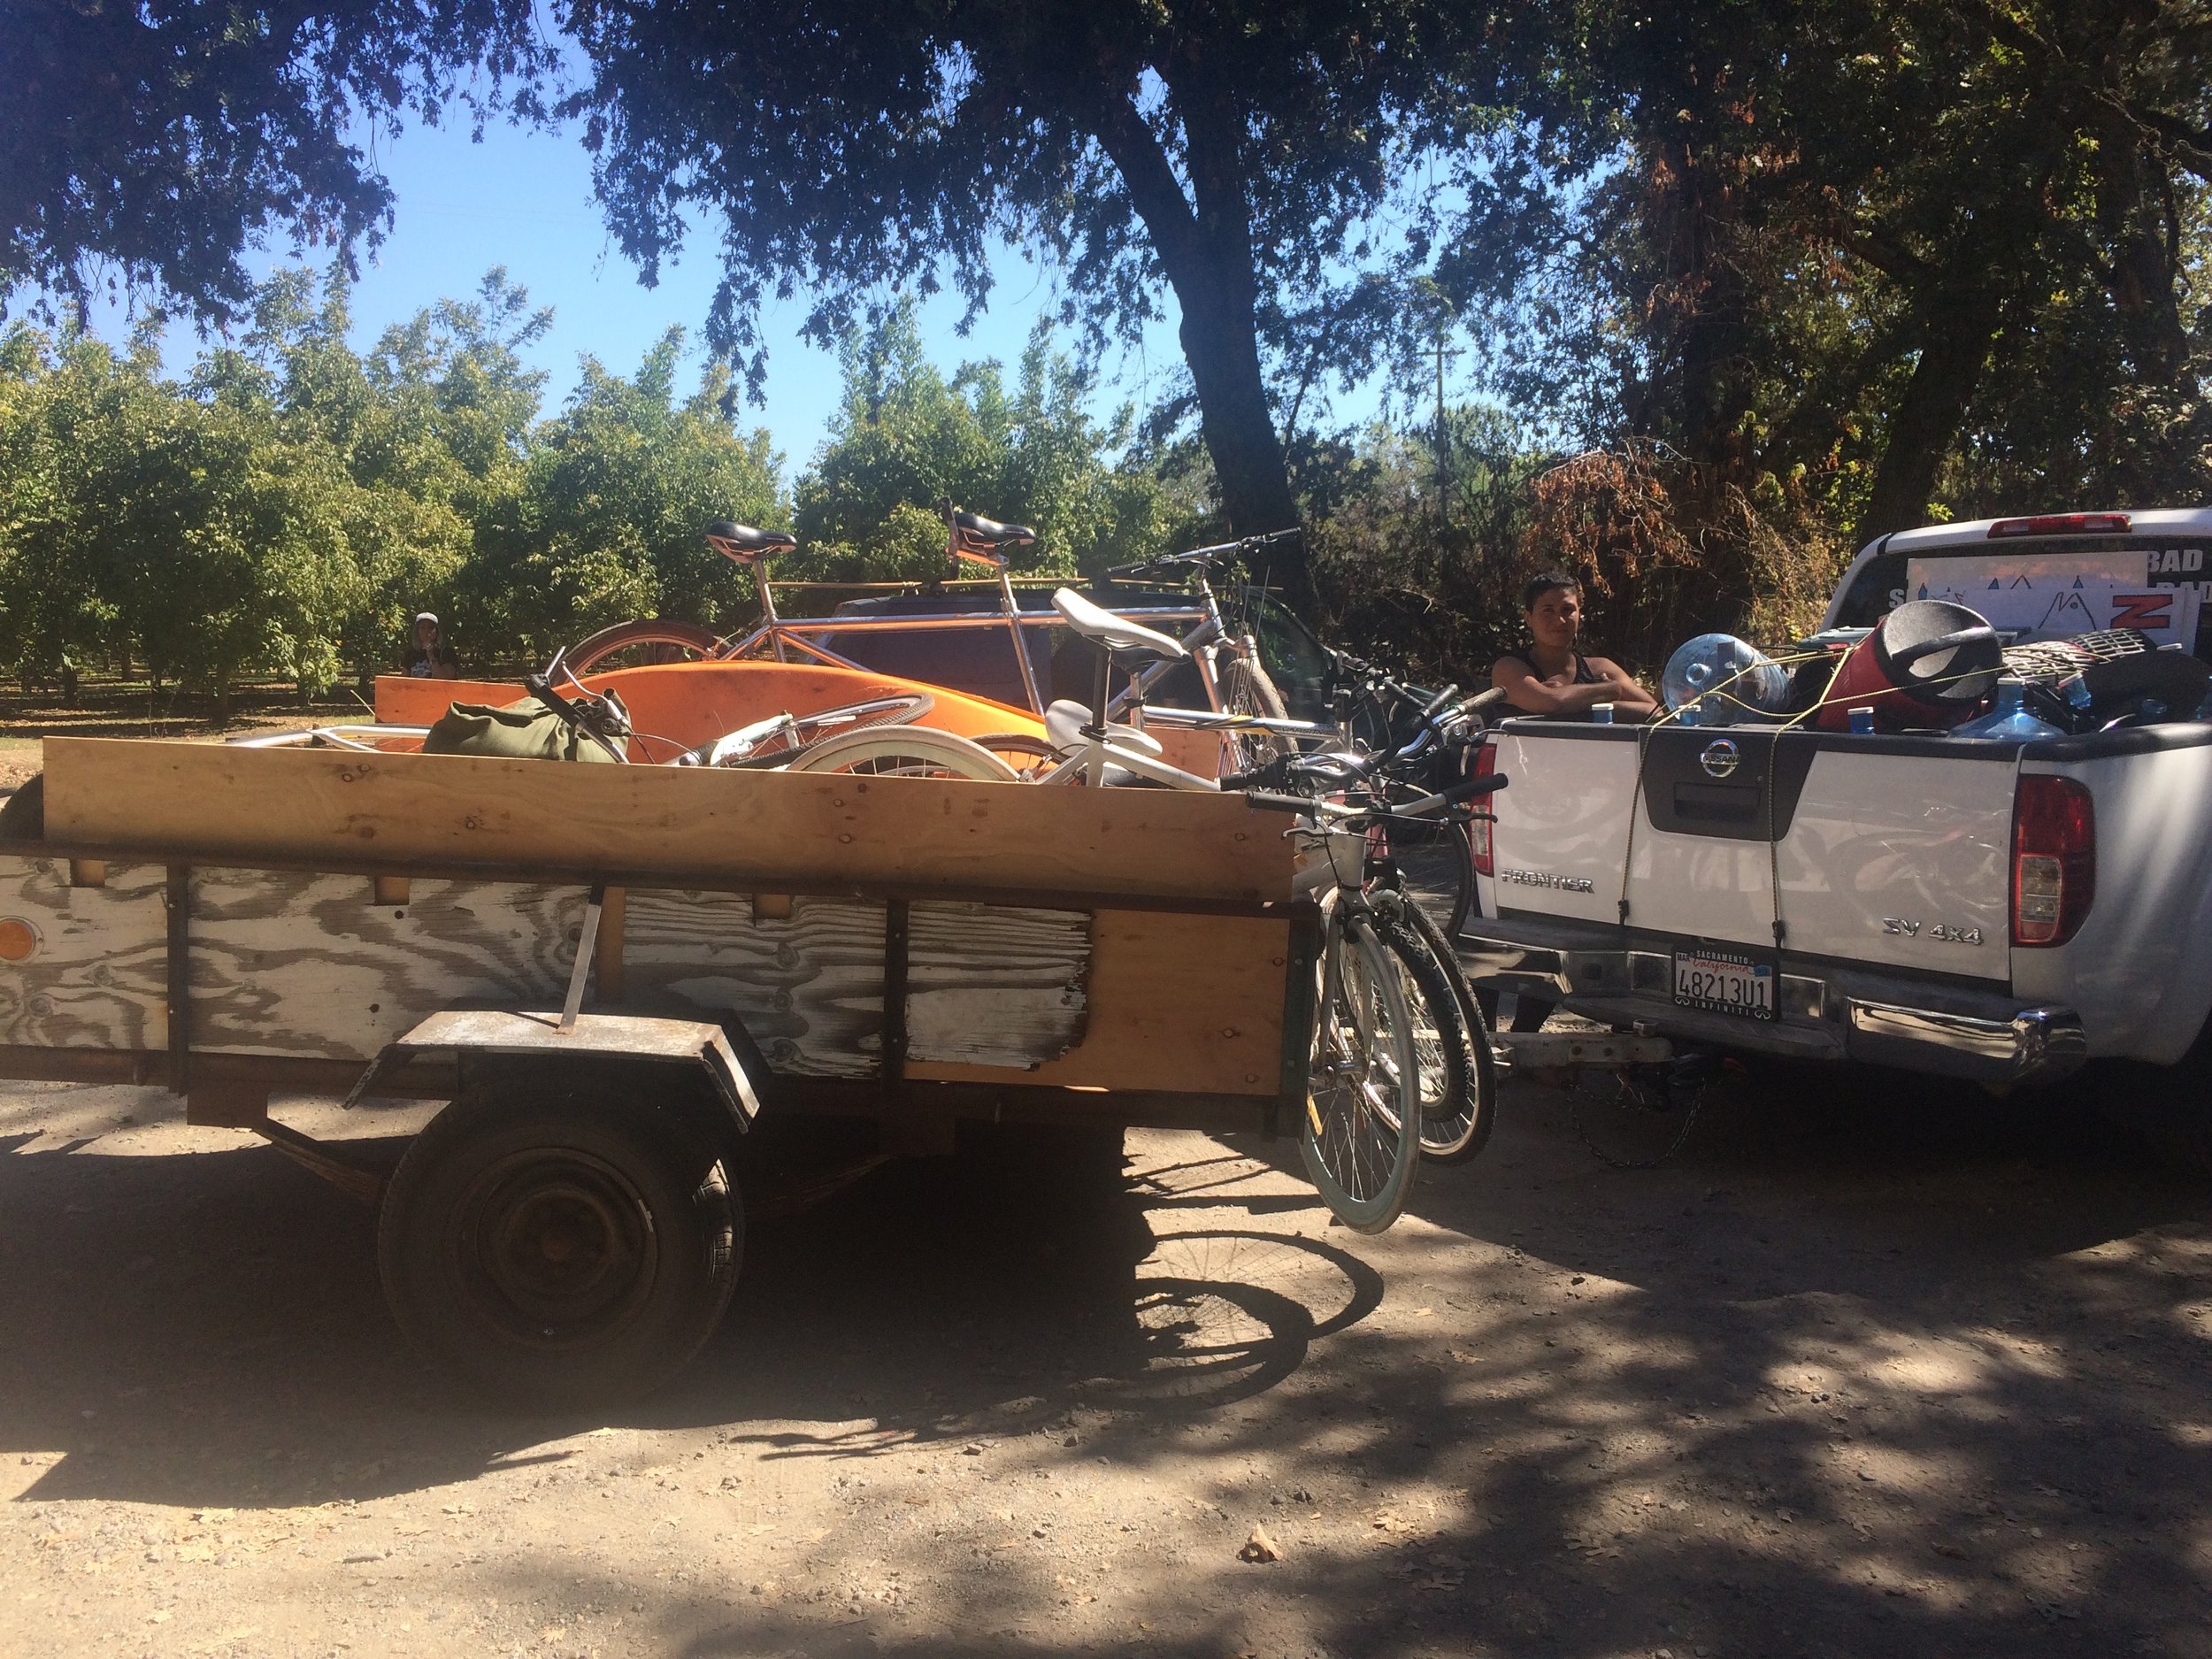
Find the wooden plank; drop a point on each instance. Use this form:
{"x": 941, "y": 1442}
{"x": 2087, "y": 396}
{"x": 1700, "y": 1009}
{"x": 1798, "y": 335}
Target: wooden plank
{"x": 808, "y": 986}
{"x": 992, "y": 985}
{"x": 97, "y": 977}
{"x": 773, "y": 831}
{"x": 177, "y": 974}
{"x": 292, "y": 963}
{"x": 606, "y": 967}
{"x": 1175, "y": 1004}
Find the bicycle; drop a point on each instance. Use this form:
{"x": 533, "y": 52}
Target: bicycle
{"x": 1438, "y": 858}
{"x": 1080, "y": 744}
{"x": 1231, "y": 677}
{"x": 1458, "y": 1085}
{"x": 970, "y": 538}
{"x": 1369, "y": 1120}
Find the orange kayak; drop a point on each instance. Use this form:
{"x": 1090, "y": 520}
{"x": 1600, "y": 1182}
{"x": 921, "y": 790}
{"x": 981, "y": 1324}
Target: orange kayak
{"x": 675, "y": 706}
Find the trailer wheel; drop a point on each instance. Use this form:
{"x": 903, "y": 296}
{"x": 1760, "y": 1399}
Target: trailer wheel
{"x": 555, "y": 1250}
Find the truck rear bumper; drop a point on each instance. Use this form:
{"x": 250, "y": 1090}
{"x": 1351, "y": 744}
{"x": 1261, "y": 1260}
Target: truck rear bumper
{"x": 1828, "y": 1013}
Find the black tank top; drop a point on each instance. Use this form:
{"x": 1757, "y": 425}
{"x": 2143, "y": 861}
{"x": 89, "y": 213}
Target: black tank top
{"x": 1584, "y": 676}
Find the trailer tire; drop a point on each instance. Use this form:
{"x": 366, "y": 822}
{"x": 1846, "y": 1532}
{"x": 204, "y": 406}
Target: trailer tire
{"x": 558, "y": 1250}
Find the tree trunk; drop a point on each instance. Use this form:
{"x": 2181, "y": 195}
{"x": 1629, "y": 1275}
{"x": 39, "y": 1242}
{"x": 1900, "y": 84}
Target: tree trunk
{"x": 1206, "y": 252}
{"x": 1954, "y": 343}
{"x": 1220, "y": 341}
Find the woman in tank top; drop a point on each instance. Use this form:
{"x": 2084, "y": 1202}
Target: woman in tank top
{"x": 1550, "y": 677}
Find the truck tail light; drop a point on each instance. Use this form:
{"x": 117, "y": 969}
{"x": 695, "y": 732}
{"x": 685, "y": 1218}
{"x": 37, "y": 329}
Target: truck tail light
{"x": 1485, "y": 762}
{"x": 2053, "y": 860}
{"x": 2062, "y": 524}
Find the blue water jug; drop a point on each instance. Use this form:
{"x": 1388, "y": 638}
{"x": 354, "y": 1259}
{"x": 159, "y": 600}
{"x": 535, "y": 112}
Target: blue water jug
{"x": 1726, "y": 680}
{"x": 2010, "y": 718}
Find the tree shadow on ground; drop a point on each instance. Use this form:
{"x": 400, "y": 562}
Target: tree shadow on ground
{"x": 1848, "y": 1376}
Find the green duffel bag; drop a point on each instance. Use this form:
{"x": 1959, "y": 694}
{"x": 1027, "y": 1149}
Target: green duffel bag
{"x": 521, "y": 731}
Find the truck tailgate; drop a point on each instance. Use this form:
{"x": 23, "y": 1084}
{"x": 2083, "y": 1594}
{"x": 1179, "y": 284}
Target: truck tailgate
{"x": 1891, "y": 849}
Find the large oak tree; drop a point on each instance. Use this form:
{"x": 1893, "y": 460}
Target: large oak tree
{"x": 1236, "y": 149}
{"x": 1942, "y": 253}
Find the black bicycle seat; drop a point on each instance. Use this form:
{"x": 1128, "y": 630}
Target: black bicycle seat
{"x": 742, "y": 542}
{"x": 989, "y": 530}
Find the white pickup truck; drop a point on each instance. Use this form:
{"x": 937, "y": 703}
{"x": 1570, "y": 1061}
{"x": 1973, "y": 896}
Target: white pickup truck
{"x": 1989, "y": 909}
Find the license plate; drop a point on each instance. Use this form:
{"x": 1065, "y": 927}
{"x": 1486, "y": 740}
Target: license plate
{"x": 1724, "y": 981}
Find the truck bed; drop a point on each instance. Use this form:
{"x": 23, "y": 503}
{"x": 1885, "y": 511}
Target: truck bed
{"x": 1870, "y": 874}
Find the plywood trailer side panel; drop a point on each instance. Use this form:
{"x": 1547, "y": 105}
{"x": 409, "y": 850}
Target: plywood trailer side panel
{"x": 291, "y": 963}
{"x": 93, "y": 974}
{"x": 1187, "y": 1003}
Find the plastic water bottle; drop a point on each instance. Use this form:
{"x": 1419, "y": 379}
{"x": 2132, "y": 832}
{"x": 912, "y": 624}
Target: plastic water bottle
{"x": 1726, "y": 678}
{"x": 2010, "y": 718}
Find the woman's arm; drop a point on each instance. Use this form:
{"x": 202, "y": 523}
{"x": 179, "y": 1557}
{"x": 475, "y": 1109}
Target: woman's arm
{"x": 1627, "y": 697}
{"x": 1518, "y": 679}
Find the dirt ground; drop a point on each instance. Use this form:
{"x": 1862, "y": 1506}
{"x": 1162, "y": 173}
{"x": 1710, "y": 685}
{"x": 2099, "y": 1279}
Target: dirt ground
{"x": 1859, "y": 1371}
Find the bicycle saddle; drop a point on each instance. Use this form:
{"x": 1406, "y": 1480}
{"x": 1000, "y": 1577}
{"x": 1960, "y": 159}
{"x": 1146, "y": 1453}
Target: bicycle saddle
{"x": 745, "y": 544}
{"x": 985, "y": 541}
{"x": 1065, "y": 718}
{"x": 981, "y": 529}
{"x": 1115, "y": 633}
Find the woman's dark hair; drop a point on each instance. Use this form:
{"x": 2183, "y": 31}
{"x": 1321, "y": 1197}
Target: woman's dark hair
{"x": 1543, "y": 582}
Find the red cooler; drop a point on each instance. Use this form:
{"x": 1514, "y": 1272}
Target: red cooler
{"x": 1927, "y": 663}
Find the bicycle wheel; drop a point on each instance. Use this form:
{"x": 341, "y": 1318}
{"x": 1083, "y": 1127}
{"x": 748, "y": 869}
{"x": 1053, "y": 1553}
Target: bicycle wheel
{"x": 774, "y": 741}
{"x": 1439, "y": 868}
{"x": 1360, "y": 1140}
{"x": 1246, "y": 690}
{"x": 906, "y": 752}
{"x": 1459, "y": 1087}
{"x": 637, "y": 644}
{"x": 1029, "y": 756}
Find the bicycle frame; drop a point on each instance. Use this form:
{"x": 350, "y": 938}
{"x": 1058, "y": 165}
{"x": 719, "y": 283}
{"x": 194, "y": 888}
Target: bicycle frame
{"x": 1208, "y": 635}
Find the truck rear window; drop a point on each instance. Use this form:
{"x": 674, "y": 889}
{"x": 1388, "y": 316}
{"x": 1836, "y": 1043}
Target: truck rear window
{"x": 2048, "y": 587}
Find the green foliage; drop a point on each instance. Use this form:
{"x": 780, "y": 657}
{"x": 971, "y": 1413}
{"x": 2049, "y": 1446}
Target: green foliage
{"x": 286, "y": 510}
{"x": 1417, "y": 544}
{"x": 1879, "y": 260}
{"x": 906, "y": 437}
{"x": 159, "y": 140}
{"x": 613, "y": 498}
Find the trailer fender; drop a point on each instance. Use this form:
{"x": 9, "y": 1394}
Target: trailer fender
{"x": 483, "y": 1044}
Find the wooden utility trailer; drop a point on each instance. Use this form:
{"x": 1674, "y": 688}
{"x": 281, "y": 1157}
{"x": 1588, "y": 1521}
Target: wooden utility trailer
{"x": 609, "y": 970}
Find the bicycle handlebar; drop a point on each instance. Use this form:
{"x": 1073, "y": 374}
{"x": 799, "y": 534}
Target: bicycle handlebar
{"x": 1405, "y": 812}
{"x": 599, "y": 717}
{"x": 1220, "y": 553}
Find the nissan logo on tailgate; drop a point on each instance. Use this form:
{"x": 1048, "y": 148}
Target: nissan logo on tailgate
{"x": 1719, "y": 758}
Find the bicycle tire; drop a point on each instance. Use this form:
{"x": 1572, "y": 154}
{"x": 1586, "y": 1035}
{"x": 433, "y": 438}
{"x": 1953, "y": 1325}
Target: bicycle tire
{"x": 809, "y": 731}
{"x": 587, "y": 654}
{"x": 1027, "y": 756}
{"x": 1247, "y": 689}
{"x": 906, "y": 752}
{"x": 1458, "y": 1134}
{"x": 1362, "y": 1082}
{"x": 1439, "y": 862}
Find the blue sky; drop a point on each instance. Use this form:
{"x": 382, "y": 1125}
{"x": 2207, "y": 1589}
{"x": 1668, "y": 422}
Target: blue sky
{"x": 523, "y": 199}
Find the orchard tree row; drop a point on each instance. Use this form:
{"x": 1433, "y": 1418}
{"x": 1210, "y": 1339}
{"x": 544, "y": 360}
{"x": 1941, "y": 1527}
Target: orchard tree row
{"x": 285, "y": 509}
